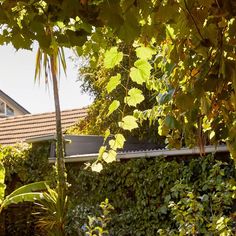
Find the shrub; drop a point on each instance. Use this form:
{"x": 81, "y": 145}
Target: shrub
{"x": 157, "y": 197}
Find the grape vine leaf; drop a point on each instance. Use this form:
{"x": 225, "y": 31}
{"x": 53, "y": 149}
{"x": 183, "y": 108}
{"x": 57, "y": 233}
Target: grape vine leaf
{"x": 112, "y": 58}
{"x": 97, "y": 167}
{"x": 135, "y": 97}
{"x": 128, "y": 123}
{"x": 118, "y": 142}
{"x": 110, "y": 156}
{"x": 141, "y": 72}
{"x": 113, "y": 83}
{"x": 113, "y": 106}
{"x": 145, "y": 52}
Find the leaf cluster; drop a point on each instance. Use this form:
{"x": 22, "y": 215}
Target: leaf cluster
{"x": 195, "y": 197}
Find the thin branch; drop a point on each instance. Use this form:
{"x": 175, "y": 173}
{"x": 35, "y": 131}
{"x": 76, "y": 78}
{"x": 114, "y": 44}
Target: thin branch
{"x": 195, "y": 23}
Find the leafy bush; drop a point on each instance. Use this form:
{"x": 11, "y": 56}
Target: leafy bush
{"x": 157, "y": 197}
{"x": 23, "y": 164}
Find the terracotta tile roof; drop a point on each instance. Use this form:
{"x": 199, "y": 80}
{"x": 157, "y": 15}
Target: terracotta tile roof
{"x": 18, "y": 128}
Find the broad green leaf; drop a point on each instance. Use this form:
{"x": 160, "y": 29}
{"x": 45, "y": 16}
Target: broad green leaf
{"x": 37, "y": 186}
{"x": 23, "y": 197}
{"x": 113, "y": 83}
{"x": 112, "y": 58}
{"x": 118, "y": 142}
{"x": 114, "y": 106}
{"x": 129, "y": 123}
{"x": 130, "y": 29}
{"x": 141, "y": 72}
{"x": 170, "y": 122}
{"x": 97, "y": 167}
{"x": 135, "y": 97}
{"x": 145, "y": 53}
{"x": 110, "y": 156}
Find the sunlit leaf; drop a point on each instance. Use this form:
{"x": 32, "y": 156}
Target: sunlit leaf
{"x": 2, "y": 180}
{"x": 101, "y": 152}
{"x": 112, "y": 58}
{"x": 145, "y": 52}
{"x": 110, "y": 156}
{"x": 114, "y": 106}
{"x": 135, "y": 97}
{"x": 141, "y": 72}
{"x": 129, "y": 123}
{"x": 97, "y": 167}
{"x": 113, "y": 83}
{"x": 118, "y": 142}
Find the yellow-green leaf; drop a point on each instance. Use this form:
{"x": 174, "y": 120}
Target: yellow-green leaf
{"x": 129, "y": 123}
{"x": 113, "y": 83}
{"x": 112, "y": 58}
{"x": 145, "y": 52}
{"x": 2, "y": 180}
{"x": 141, "y": 72}
{"x": 97, "y": 167}
{"x": 135, "y": 97}
{"x": 110, "y": 156}
{"x": 114, "y": 106}
{"x": 118, "y": 142}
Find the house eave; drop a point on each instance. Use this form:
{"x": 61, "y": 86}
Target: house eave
{"x": 147, "y": 153}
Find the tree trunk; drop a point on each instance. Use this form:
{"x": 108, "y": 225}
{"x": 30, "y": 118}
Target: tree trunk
{"x": 60, "y": 162}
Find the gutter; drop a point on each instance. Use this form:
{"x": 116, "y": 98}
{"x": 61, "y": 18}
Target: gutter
{"x": 146, "y": 153}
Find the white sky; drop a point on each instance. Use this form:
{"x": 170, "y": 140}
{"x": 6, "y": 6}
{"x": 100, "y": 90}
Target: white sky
{"x": 17, "y": 81}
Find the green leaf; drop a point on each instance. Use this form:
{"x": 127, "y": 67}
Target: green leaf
{"x": 145, "y": 53}
{"x": 141, "y": 72}
{"x": 129, "y": 123}
{"x": 130, "y": 29}
{"x": 106, "y": 135}
{"x": 171, "y": 122}
{"x": 2, "y": 180}
{"x": 110, "y": 156}
{"x": 101, "y": 152}
{"x": 118, "y": 142}
{"x": 23, "y": 197}
{"x": 112, "y": 58}
{"x": 97, "y": 167}
{"x": 114, "y": 106}
{"x": 37, "y": 186}
{"x": 113, "y": 83}
{"x": 135, "y": 97}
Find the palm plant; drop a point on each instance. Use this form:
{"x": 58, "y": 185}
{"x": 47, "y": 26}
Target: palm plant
{"x": 52, "y": 202}
{"x": 51, "y": 213}
{"x": 55, "y": 202}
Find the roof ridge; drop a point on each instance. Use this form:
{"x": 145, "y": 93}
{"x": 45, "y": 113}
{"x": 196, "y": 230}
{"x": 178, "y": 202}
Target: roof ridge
{"x": 39, "y": 114}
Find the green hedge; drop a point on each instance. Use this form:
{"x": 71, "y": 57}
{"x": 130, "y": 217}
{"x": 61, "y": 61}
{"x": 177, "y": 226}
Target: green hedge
{"x": 23, "y": 164}
{"x": 149, "y": 196}
{"x": 157, "y": 197}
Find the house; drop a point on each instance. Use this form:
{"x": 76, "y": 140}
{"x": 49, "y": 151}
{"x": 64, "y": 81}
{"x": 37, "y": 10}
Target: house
{"x": 18, "y": 125}
{"x": 15, "y": 129}
{"x": 9, "y": 107}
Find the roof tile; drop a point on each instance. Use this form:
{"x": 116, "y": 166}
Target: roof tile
{"x": 18, "y": 128}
